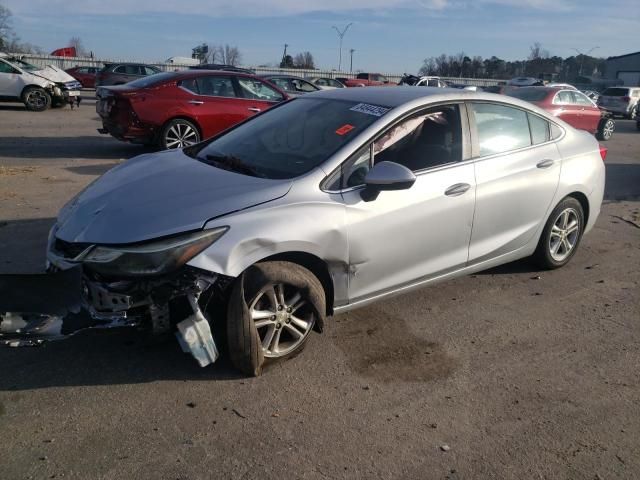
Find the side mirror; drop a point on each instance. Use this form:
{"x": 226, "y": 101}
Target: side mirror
{"x": 386, "y": 176}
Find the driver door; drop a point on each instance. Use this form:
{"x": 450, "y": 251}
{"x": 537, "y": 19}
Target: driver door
{"x": 405, "y": 236}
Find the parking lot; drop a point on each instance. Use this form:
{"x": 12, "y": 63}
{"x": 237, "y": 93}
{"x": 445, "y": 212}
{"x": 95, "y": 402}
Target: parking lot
{"x": 511, "y": 373}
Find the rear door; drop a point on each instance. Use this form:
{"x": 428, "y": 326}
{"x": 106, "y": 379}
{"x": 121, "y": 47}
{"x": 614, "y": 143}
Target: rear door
{"x": 11, "y": 82}
{"x": 566, "y": 108}
{"x": 217, "y": 106}
{"x": 517, "y": 170}
{"x": 589, "y": 114}
{"x": 256, "y": 95}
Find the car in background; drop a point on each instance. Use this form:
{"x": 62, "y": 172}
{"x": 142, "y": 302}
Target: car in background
{"x": 37, "y": 87}
{"x": 621, "y": 101}
{"x": 572, "y": 106}
{"x": 324, "y": 204}
{"x": 566, "y": 86}
{"x": 422, "y": 81}
{"x": 367, "y": 80}
{"x": 325, "y": 83}
{"x": 221, "y": 66}
{"x": 85, "y": 75}
{"x": 121, "y": 73}
{"x": 178, "y": 109}
{"x": 291, "y": 84}
{"x": 525, "y": 82}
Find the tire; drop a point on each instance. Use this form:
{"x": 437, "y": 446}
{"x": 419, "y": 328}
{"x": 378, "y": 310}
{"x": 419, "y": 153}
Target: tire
{"x": 633, "y": 113}
{"x": 561, "y": 235}
{"x": 605, "y": 129}
{"x": 178, "y": 133}
{"x": 36, "y": 99}
{"x": 261, "y": 327}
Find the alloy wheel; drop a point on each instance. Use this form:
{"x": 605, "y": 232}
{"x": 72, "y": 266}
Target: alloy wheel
{"x": 36, "y": 99}
{"x": 565, "y": 234}
{"x": 181, "y": 135}
{"x": 607, "y": 130}
{"x": 283, "y": 319}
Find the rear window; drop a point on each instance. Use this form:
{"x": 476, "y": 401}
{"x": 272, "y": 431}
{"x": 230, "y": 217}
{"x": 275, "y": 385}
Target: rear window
{"x": 289, "y": 140}
{"x": 152, "y": 80}
{"x": 529, "y": 94}
{"x": 616, "y": 92}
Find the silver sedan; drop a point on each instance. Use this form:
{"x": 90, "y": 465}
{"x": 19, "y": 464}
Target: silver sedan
{"x": 323, "y": 204}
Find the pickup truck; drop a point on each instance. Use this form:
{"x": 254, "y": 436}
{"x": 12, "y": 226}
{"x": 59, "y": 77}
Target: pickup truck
{"x": 367, "y": 80}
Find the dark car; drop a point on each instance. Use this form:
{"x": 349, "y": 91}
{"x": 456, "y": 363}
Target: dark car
{"x": 291, "y": 84}
{"x": 85, "y": 75}
{"x": 220, "y": 66}
{"x": 178, "y": 109}
{"x": 121, "y": 73}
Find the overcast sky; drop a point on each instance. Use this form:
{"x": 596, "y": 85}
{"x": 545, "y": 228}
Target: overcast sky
{"x": 387, "y": 35}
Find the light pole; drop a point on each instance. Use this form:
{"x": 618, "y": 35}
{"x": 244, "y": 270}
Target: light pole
{"x": 351, "y": 63}
{"x": 582, "y": 59}
{"x": 341, "y": 36}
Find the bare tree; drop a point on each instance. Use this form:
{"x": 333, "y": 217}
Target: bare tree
{"x": 76, "y": 42}
{"x": 429, "y": 67}
{"x": 537, "y": 52}
{"x": 229, "y": 55}
{"x": 304, "y": 60}
{"x": 6, "y": 31}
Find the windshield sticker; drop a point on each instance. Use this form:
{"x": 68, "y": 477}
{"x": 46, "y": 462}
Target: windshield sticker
{"x": 343, "y": 130}
{"x": 375, "y": 110}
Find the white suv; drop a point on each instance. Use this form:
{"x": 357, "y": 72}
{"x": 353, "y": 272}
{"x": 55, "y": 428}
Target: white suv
{"x": 621, "y": 101}
{"x": 38, "y": 88}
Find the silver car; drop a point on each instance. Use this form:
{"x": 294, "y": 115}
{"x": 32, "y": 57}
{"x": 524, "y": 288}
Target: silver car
{"x": 323, "y": 204}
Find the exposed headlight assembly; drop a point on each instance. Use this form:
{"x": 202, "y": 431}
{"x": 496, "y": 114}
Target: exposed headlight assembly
{"x": 151, "y": 258}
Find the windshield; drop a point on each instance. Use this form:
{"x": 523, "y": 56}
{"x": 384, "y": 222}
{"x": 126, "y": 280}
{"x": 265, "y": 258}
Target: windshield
{"x": 530, "y": 95}
{"x": 152, "y": 80}
{"x": 289, "y": 140}
{"x": 23, "y": 65}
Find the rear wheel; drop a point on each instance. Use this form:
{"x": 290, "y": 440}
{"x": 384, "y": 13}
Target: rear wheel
{"x": 633, "y": 113}
{"x": 605, "y": 129}
{"x": 178, "y": 133}
{"x": 273, "y": 308}
{"x": 36, "y": 99}
{"x": 561, "y": 235}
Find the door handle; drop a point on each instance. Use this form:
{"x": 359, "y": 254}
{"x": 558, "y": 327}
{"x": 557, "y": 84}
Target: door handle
{"x": 457, "y": 189}
{"x": 254, "y": 109}
{"x": 545, "y": 164}
{"x": 195, "y": 102}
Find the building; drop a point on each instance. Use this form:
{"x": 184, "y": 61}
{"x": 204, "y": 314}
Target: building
{"x": 624, "y": 68}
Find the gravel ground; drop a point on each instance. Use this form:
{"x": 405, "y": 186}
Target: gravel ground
{"x": 511, "y": 373}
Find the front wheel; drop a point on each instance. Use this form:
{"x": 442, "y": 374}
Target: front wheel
{"x": 272, "y": 310}
{"x": 561, "y": 235}
{"x": 633, "y": 113}
{"x": 36, "y": 99}
{"x": 178, "y": 133}
{"x": 605, "y": 129}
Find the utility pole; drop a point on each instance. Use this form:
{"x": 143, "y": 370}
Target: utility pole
{"x": 284, "y": 55}
{"x": 351, "y": 63}
{"x": 582, "y": 57}
{"x": 341, "y": 34}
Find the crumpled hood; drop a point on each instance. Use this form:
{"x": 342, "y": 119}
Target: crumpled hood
{"x": 54, "y": 74}
{"x": 159, "y": 194}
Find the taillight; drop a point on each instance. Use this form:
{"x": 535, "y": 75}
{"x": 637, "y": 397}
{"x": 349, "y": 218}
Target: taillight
{"x": 603, "y": 152}
{"x": 626, "y": 99}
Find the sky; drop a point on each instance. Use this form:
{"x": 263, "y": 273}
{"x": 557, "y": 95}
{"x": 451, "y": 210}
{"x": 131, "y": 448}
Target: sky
{"x": 388, "y": 36}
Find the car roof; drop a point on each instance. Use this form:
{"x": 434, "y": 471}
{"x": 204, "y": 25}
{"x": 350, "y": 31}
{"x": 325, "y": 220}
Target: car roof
{"x": 280, "y": 75}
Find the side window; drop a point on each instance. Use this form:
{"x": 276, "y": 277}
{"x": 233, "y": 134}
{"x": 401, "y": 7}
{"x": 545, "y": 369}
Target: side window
{"x": 539, "y": 129}
{"x": 257, "y": 90}
{"x": 131, "y": 69}
{"x": 563, "y": 97}
{"x": 321, "y": 82}
{"x": 149, "y": 70}
{"x": 121, "y": 69}
{"x": 191, "y": 85}
{"x": 500, "y": 128}
{"x": 216, "y": 86}
{"x": 428, "y": 139}
{"x": 6, "y": 68}
{"x": 282, "y": 83}
{"x": 356, "y": 168}
{"x": 302, "y": 86}
{"x": 581, "y": 99}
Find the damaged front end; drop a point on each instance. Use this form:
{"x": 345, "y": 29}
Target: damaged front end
{"x": 146, "y": 285}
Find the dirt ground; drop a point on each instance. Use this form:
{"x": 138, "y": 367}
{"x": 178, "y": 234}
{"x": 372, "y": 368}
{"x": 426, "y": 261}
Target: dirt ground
{"x": 510, "y": 374}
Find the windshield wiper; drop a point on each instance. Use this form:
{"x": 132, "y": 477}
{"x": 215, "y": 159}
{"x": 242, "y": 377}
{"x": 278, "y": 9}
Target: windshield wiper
{"x": 230, "y": 163}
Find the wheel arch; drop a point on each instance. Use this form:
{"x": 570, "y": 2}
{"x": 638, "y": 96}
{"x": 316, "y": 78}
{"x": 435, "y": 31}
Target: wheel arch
{"x": 183, "y": 117}
{"x": 584, "y": 203}
{"x": 315, "y": 265}
{"x": 34, "y": 85}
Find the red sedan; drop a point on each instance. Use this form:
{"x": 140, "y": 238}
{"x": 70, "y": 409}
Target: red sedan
{"x": 178, "y": 109}
{"x": 572, "y": 106}
{"x": 85, "y": 75}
